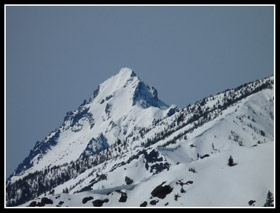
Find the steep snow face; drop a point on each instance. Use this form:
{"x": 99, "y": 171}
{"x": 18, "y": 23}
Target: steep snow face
{"x": 122, "y": 95}
{"x": 151, "y": 155}
{"x": 118, "y": 107}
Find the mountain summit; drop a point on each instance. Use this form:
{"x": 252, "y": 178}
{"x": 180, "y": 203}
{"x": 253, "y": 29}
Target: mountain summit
{"x": 125, "y": 147}
{"x": 121, "y": 104}
{"x": 127, "y": 87}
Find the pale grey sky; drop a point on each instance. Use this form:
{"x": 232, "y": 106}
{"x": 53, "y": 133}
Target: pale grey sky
{"x": 57, "y": 56}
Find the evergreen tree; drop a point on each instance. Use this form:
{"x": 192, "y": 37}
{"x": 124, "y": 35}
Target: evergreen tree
{"x": 231, "y": 161}
{"x": 66, "y": 190}
{"x": 269, "y": 200}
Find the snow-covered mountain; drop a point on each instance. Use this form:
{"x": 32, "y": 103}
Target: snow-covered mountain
{"x": 125, "y": 147}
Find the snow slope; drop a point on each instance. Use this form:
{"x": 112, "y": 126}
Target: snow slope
{"x": 119, "y": 105}
{"x": 130, "y": 149}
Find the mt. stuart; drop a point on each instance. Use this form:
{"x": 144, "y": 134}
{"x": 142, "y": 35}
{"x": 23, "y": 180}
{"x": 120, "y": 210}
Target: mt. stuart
{"x": 125, "y": 147}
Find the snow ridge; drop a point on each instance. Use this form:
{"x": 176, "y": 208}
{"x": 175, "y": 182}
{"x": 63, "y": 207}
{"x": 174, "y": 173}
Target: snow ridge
{"x": 124, "y": 139}
{"x": 118, "y": 102}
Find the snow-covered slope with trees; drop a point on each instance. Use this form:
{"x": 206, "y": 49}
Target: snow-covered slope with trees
{"x": 125, "y": 147}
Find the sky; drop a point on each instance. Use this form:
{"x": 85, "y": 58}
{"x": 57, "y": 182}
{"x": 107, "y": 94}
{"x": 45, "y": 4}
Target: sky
{"x": 56, "y": 56}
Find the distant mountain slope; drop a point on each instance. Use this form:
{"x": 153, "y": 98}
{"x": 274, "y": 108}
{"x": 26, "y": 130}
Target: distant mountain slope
{"x": 125, "y": 147}
{"x": 119, "y": 105}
